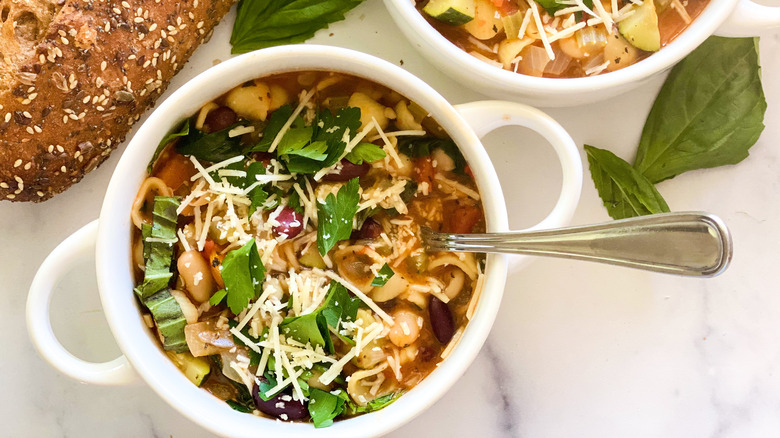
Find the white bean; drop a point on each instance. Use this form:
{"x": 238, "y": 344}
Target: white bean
{"x": 406, "y": 329}
{"x": 195, "y": 272}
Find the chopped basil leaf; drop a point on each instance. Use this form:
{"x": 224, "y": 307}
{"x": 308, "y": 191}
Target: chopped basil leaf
{"x": 239, "y": 406}
{"x": 243, "y": 273}
{"x": 709, "y": 113}
{"x": 365, "y": 152}
{"x": 324, "y": 407}
{"x": 267, "y": 23}
{"x": 244, "y": 401}
{"x": 146, "y": 232}
{"x": 183, "y": 131}
{"x": 157, "y": 271}
{"x": 624, "y": 191}
{"x": 294, "y": 201}
{"x": 410, "y": 189}
{"x": 418, "y": 147}
{"x": 384, "y": 274}
{"x": 214, "y": 147}
{"x": 335, "y": 216}
{"x": 217, "y": 297}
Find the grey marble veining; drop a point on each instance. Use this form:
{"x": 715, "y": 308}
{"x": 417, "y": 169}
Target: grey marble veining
{"x": 577, "y": 350}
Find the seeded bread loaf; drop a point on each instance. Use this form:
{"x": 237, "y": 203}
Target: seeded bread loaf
{"x": 76, "y": 74}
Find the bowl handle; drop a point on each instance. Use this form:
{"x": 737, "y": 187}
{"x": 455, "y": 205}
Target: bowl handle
{"x": 486, "y": 116}
{"x": 73, "y": 249}
{"x": 748, "y": 19}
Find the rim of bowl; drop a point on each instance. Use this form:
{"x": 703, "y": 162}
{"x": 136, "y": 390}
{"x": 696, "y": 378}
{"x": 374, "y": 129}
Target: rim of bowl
{"x": 113, "y": 260}
{"x": 699, "y": 30}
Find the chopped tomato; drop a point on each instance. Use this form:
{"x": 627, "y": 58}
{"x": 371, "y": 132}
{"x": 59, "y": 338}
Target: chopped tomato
{"x": 214, "y": 258}
{"x": 424, "y": 170}
{"x": 462, "y": 219}
{"x": 468, "y": 171}
{"x": 505, "y": 7}
{"x": 175, "y": 171}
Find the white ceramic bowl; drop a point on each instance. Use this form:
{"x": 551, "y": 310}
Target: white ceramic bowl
{"x": 110, "y": 236}
{"x": 722, "y": 17}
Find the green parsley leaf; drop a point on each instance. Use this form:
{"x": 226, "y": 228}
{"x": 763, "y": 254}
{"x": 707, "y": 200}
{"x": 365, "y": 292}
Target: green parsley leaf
{"x": 310, "y": 328}
{"x": 340, "y": 305}
{"x": 217, "y": 297}
{"x": 331, "y": 129}
{"x": 275, "y": 124}
{"x": 317, "y": 151}
{"x": 294, "y": 140}
{"x": 267, "y": 23}
{"x": 709, "y": 113}
{"x": 257, "y": 195}
{"x": 243, "y": 273}
{"x": 335, "y": 216}
{"x": 365, "y": 152}
{"x": 183, "y": 131}
{"x": 324, "y": 407}
{"x": 384, "y": 274}
{"x": 624, "y": 191}
{"x": 374, "y": 405}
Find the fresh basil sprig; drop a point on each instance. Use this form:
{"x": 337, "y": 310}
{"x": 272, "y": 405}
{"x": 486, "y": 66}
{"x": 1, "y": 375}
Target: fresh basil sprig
{"x": 624, "y": 191}
{"x": 709, "y": 112}
{"x": 267, "y": 23}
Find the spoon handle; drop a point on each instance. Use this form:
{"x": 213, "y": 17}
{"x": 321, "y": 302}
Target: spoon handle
{"x": 690, "y": 243}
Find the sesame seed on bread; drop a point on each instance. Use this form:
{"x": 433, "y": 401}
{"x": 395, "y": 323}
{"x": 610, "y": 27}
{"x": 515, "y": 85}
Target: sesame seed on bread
{"x": 76, "y": 74}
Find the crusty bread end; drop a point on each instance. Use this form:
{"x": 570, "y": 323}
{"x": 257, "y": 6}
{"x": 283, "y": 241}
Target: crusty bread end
{"x": 97, "y": 68}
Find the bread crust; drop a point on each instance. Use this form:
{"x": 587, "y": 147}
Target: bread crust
{"x": 100, "y": 65}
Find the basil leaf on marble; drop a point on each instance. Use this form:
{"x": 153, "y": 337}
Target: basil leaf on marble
{"x": 624, "y": 191}
{"x": 709, "y": 112}
{"x": 267, "y": 23}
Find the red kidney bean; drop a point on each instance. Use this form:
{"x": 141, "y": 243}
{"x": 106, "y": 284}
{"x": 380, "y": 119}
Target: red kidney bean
{"x": 220, "y": 118}
{"x": 371, "y": 229}
{"x": 278, "y": 407}
{"x": 263, "y": 157}
{"x": 441, "y": 320}
{"x": 290, "y": 223}
{"x": 348, "y": 171}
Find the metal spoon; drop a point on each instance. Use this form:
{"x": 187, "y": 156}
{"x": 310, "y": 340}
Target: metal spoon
{"x": 690, "y": 243}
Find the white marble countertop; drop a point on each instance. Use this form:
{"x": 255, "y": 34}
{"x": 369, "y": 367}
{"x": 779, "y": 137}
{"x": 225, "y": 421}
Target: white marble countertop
{"x": 578, "y": 349}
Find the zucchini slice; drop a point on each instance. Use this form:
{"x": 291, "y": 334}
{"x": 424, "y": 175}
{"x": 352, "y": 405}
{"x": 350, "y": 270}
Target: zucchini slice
{"x": 452, "y": 12}
{"x": 641, "y": 27}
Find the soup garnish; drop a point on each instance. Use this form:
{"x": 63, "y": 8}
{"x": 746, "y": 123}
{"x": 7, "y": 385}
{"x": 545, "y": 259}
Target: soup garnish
{"x": 561, "y": 38}
{"x": 277, "y": 248}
